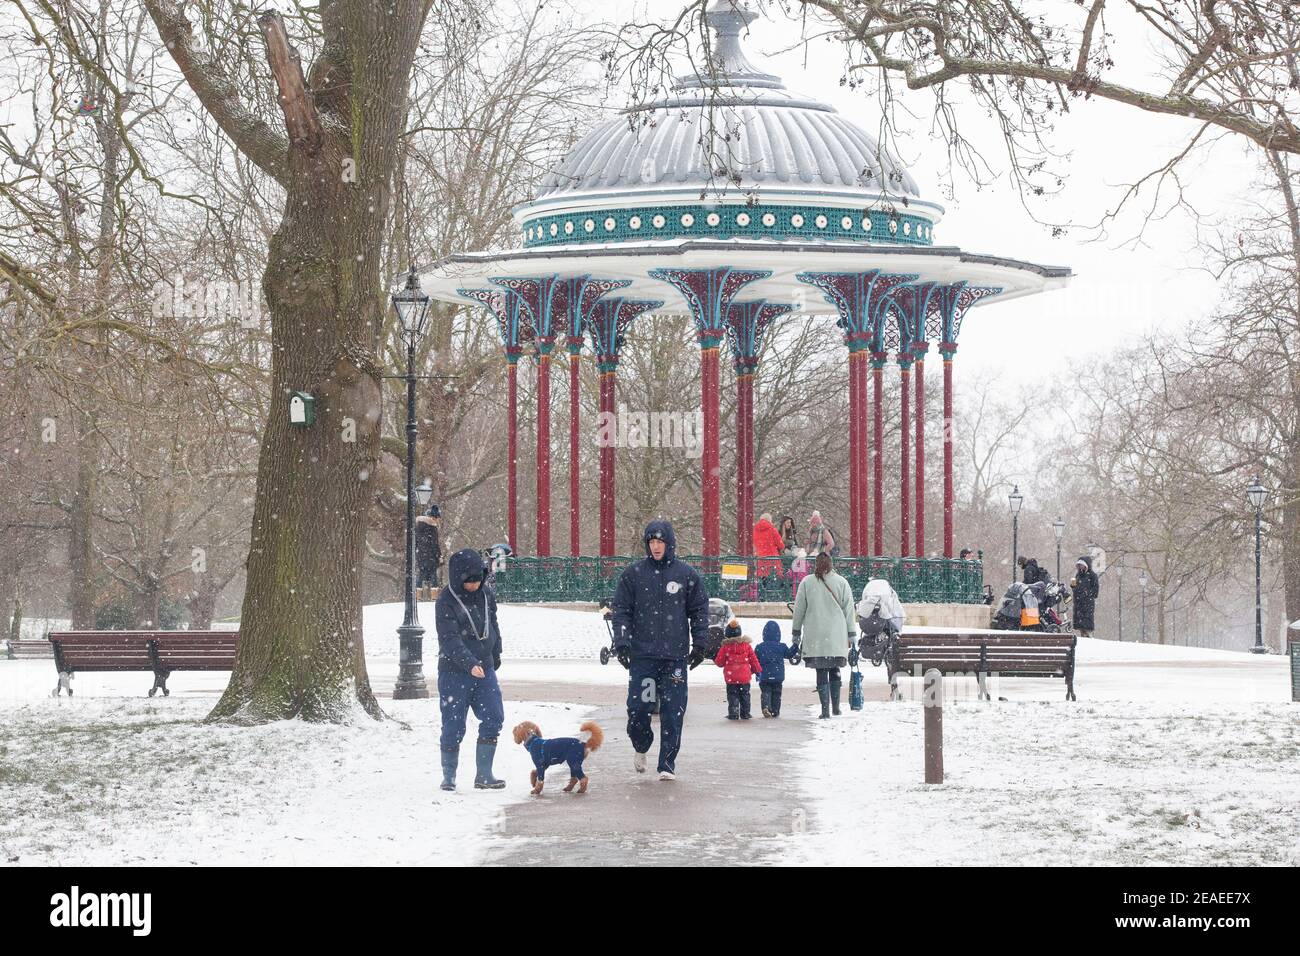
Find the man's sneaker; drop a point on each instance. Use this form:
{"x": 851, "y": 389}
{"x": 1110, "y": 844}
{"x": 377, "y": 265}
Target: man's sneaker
{"x": 766, "y": 712}
{"x": 638, "y": 762}
{"x": 667, "y": 775}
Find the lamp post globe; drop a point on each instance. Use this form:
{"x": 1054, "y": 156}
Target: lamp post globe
{"x": 424, "y": 494}
{"x": 1257, "y": 494}
{"x": 412, "y": 308}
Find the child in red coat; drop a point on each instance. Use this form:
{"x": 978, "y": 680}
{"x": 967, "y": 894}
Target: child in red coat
{"x": 739, "y": 666}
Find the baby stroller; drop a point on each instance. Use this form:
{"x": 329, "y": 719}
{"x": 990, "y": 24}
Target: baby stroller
{"x": 494, "y": 560}
{"x": 875, "y": 632}
{"x": 607, "y": 615}
{"x": 719, "y": 617}
{"x": 1031, "y": 607}
{"x": 1052, "y": 605}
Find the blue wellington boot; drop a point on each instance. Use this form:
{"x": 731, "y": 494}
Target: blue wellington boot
{"x": 483, "y": 754}
{"x": 449, "y": 758}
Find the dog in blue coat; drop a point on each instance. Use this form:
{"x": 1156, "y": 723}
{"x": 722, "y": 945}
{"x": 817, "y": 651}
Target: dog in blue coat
{"x": 557, "y": 750}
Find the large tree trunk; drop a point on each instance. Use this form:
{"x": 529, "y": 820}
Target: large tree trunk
{"x": 300, "y": 651}
{"x": 81, "y": 591}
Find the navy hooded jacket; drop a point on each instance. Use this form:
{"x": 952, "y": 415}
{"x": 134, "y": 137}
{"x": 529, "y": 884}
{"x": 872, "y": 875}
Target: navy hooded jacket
{"x": 772, "y": 654}
{"x": 466, "y": 622}
{"x": 661, "y": 609}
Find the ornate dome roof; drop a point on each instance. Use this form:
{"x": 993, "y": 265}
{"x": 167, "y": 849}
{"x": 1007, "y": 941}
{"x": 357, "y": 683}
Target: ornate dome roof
{"x": 768, "y": 137}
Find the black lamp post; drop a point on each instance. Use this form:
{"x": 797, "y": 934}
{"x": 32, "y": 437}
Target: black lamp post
{"x": 412, "y": 307}
{"x": 1257, "y": 494}
{"x": 1015, "y": 500}
{"x": 1058, "y": 529}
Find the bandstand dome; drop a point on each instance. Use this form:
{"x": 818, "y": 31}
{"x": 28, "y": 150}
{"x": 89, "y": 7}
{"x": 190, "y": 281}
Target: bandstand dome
{"x": 736, "y": 201}
{"x": 792, "y": 185}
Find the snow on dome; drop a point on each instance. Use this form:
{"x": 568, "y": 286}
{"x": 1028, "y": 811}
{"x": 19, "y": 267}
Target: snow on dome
{"x": 780, "y": 141}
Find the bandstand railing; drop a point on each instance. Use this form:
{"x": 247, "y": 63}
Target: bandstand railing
{"x": 558, "y": 580}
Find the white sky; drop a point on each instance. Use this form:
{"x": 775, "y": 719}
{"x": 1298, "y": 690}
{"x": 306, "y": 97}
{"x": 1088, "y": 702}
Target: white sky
{"x": 1121, "y": 289}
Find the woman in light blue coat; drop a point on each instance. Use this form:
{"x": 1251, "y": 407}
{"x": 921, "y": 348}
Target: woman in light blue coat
{"x": 823, "y": 629}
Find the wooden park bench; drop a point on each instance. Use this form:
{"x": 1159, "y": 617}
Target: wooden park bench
{"x": 29, "y": 650}
{"x": 159, "y": 652}
{"x": 982, "y": 653}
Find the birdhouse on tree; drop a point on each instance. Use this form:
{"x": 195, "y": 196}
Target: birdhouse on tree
{"x": 302, "y": 409}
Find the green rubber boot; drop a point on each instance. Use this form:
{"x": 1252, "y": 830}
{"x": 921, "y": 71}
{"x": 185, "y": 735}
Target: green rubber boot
{"x": 835, "y": 697}
{"x": 483, "y": 754}
{"x": 824, "y": 694}
{"x": 449, "y": 759}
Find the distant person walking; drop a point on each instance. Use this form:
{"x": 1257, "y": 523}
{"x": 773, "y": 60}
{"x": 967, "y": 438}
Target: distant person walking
{"x": 823, "y": 630}
{"x": 428, "y": 549}
{"x": 1033, "y": 573}
{"x": 661, "y": 629}
{"x": 772, "y": 654}
{"x": 739, "y": 667}
{"x": 1085, "y": 586}
{"x": 821, "y": 540}
{"x": 767, "y": 546}
{"x": 789, "y": 536}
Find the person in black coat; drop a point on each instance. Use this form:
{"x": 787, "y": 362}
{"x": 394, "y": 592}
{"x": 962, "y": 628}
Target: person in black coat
{"x": 1085, "y": 586}
{"x": 661, "y": 630}
{"x": 469, "y": 653}
{"x": 1033, "y": 573}
{"x": 428, "y": 549}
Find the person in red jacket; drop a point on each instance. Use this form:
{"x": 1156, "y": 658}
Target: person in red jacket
{"x": 739, "y": 666}
{"x": 768, "y": 546}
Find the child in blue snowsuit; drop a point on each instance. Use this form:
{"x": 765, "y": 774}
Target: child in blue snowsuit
{"x": 772, "y": 654}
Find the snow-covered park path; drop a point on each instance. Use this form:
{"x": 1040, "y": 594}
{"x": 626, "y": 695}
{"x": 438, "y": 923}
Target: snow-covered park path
{"x": 734, "y": 800}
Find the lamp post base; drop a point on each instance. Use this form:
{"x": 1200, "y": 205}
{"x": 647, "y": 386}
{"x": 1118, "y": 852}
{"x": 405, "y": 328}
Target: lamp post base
{"x": 410, "y": 671}
{"x": 1259, "y": 649}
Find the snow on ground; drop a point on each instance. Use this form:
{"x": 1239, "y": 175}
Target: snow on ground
{"x": 1050, "y": 783}
{"x": 131, "y": 780}
{"x": 1171, "y": 755}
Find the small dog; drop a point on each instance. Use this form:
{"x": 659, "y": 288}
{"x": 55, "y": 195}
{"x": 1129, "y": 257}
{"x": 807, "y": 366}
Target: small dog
{"x": 548, "y": 753}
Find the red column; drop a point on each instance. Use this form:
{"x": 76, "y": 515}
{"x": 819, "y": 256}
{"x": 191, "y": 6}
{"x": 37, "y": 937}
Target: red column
{"x": 512, "y": 448}
{"x": 575, "y": 369}
{"x": 864, "y": 456}
{"x": 878, "y": 448}
{"x": 855, "y": 469}
{"x": 607, "y": 469}
{"x": 710, "y": 479}
{"x": 947, "y": 352}
{"x": 905, "y": 465}
{"x": 744, "y": 461}
{"x": 543, "y": 449}
{"x": 920, "y": 454}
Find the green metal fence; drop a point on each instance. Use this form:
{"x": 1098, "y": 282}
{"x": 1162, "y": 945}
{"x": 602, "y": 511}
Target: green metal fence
{"x": 566, "y": 579}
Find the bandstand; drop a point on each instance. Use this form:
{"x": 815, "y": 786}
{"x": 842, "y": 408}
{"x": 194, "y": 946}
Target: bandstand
{"x": 822, "y": 221}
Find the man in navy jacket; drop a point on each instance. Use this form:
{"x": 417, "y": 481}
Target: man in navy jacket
{"x": 661, "y": 627}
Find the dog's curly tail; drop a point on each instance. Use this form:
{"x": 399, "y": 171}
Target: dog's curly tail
{"x": 597, "y": 735}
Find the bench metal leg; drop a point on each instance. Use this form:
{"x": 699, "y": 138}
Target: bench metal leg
{"x": 1069, "y": 688}
{"x": 65, "y": 683}
{"x": 893, "y": 687}
{"x": 981, "y": 678}
{"x": 160, "y": 683}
